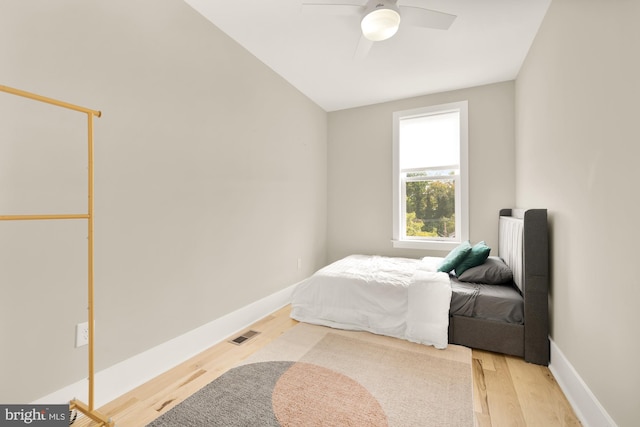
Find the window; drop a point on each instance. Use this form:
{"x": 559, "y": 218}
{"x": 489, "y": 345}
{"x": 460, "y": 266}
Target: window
{"x": 430, "y": 184}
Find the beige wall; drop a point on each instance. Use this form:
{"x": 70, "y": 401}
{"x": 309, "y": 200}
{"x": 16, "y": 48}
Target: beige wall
{"x": 577, "y": 152}
{"x": 359, "y": 169}
{"x": 210, "y": 182}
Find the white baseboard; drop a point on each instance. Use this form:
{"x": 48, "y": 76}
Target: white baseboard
{"x": 587, "y": 407}
{"x": 118, "y": 379}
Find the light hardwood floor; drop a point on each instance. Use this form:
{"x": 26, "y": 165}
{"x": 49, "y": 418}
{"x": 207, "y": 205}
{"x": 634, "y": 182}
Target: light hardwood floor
{"x": 507, "y": 391}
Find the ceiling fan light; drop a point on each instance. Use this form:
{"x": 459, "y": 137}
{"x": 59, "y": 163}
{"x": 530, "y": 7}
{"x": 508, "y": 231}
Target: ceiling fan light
{"x": 380, "y": 24}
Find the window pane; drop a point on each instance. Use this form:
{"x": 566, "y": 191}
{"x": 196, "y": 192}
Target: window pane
{"x": 430, "y": 209}
{"x": 428, "y": 141}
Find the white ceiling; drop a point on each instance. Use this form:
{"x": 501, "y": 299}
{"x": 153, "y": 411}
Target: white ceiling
{"x": 486, "y": 43}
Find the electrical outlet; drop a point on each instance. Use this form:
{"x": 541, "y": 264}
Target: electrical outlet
{"x": 82, "y": 334}
{"x": 299, "y": 263}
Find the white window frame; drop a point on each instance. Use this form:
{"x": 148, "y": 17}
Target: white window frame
{"x": 462, "y": 182}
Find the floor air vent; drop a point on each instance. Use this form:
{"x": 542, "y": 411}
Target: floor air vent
{"x": 244, "y": 337}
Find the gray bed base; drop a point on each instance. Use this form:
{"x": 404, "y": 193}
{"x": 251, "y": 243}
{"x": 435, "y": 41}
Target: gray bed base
{"x": 531, "y": 339}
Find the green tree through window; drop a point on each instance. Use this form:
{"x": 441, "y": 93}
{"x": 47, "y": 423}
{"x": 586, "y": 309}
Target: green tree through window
{"x": 430, "y": 208}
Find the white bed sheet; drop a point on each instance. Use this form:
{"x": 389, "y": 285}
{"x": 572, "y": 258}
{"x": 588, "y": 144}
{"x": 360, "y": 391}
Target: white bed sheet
{"x": 399, "y": 297}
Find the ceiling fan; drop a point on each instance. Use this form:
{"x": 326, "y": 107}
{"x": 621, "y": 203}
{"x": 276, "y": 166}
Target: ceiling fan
{"x": 380, "y": 19}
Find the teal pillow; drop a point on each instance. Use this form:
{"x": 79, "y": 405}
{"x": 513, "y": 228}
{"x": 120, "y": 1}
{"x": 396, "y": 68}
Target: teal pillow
{"x": 477, "y": 256}
{"x": 455, "y": 257}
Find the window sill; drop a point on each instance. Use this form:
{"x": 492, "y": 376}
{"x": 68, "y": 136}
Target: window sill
{"x": 432, "y": 245}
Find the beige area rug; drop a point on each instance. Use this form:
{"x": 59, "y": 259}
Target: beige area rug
{"x": 318, "y": 376}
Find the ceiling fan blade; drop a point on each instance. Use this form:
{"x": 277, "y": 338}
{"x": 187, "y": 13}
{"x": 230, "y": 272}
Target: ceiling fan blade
{"x": 426, "y": 18}
{"x": 333, "y": 7}
{"x": 363, "y": 48}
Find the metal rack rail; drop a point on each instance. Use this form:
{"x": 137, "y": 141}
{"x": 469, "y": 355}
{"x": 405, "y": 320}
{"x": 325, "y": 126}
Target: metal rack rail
{"x": 89, "y": 410}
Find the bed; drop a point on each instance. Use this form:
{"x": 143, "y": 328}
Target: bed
{"x": 500, "y": 305}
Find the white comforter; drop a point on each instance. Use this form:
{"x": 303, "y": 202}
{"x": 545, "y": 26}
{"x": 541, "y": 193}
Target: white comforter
{"x": 399, "y": 297}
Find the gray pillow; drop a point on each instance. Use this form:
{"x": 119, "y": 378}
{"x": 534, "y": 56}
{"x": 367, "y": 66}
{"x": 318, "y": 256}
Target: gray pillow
{"x": 492, "y": 272}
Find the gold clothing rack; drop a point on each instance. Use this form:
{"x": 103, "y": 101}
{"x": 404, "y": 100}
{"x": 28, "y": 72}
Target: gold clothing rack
{"x": 89, "y": 409}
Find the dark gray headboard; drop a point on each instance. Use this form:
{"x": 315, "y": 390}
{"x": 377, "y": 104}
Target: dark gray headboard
{"x": 525, "y": 234}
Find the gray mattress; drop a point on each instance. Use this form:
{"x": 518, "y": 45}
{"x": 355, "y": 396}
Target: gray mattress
{"x": 491, "y": 302}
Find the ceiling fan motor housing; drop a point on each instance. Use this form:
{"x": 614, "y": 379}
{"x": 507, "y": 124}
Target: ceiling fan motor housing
{"x": 381, "y": 20}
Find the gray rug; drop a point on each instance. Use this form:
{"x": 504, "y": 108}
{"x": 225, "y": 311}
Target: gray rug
{"x": 316, "y": 376}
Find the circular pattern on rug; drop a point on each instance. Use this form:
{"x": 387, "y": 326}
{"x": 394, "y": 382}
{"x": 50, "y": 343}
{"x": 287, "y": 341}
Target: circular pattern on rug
{"x": 311, "y": 395}
{"x": 277, "y": 394}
